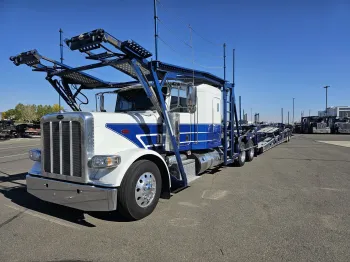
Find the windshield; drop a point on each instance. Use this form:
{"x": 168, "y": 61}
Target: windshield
{"x": 133, "y": 100}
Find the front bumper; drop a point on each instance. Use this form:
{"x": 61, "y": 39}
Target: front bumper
{"x": 344, "y": 131}
{"x": 82, "y": 197}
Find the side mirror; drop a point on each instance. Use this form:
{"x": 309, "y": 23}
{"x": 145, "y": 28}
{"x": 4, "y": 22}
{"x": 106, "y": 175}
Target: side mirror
{"x": 191, "y": 98}
{"x": 102, "y": 103}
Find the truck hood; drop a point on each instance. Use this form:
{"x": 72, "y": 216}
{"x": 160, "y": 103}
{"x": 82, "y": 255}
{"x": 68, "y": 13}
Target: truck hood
{"x": 115, "y": 132}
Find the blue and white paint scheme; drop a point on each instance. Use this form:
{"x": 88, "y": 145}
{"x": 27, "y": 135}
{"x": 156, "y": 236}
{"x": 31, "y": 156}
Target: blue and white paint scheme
{"x": 136, "y": 134}
{"x": 133, "y": 134}
{"x": 144, "y": 129}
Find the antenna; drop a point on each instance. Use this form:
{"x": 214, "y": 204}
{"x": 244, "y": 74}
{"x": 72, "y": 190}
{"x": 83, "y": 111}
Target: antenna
{"x": 155, "y": 29}
{"x": 61, "y": 58}
{"x": 233, "y": 67}
{"x": 192, "y": 50}
{"x": 224, "y": 61}
{"x": 240, "y": 109}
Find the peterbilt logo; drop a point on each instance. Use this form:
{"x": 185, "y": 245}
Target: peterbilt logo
{"x": 60, "y": 117}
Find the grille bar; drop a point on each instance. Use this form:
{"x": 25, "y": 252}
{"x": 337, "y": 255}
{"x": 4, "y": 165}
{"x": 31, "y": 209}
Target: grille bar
{"x": 71, "y": 148}
{"x": 51, "y": 149}
{"x": 62, "y": 146}
{"x": 61, "y": 151}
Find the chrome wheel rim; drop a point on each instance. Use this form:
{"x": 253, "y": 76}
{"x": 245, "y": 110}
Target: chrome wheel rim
{"x": 251, "y": 153}
{"x": 145, "y": 189}
{"x": 243, "y": 155}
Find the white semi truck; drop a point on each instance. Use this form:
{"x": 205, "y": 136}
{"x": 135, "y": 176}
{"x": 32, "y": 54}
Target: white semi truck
{"x": 166, "y": 129}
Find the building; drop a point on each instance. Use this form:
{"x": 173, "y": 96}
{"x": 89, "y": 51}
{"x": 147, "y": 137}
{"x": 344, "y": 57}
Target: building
{"x": 338, "y": 111}
{"x": 256, "y": 118}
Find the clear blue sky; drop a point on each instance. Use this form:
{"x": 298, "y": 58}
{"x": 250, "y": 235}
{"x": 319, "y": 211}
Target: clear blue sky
{"x": 284, "y": 49}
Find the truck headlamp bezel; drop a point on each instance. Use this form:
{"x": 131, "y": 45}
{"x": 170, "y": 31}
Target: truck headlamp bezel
{"x": 105, "y": 161}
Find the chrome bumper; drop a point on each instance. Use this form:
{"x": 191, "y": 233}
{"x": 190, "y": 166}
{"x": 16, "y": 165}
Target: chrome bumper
{"x": 83, "y": 197}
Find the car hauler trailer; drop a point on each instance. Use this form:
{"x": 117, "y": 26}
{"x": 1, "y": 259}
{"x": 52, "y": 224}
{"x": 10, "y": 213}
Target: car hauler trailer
{"x": 7, "y": 129}
{"x": 164, "y": 132}
{"x": 264, "y": 137}
{"x": 272, "y": 136}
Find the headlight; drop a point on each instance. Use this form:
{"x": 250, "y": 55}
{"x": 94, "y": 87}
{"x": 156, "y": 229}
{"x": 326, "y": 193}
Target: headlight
{"x": 105, "y": 161}
{"x": 35, "y": 155}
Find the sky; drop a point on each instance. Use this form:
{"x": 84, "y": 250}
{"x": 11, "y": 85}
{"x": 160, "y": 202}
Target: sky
{"x": 283, "y": 49}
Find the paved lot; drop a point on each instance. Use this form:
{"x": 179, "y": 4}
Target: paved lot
{"x": 290, "y": 204}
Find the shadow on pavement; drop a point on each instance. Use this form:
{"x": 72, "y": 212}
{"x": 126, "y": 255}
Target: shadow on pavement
{"x": 19, "y": 196}
{"x": 310, "y": 159}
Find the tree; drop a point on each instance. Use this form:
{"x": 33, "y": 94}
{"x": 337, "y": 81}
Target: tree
{"x": 42, "y": 110}
{"x": 28, "y": 113}
{"x": 10, "y": 114}
{"x": 18, "y": 111}
{"x": 56, "y": 108}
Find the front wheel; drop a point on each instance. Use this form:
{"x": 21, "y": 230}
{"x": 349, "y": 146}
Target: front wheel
{"x": 140, "y": 190}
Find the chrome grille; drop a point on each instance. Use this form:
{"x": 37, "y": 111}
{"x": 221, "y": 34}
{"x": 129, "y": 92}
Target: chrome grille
{"x": 62, "y": 148}
{"x": 344, "y": 125}
{"x": 321, "y": 125}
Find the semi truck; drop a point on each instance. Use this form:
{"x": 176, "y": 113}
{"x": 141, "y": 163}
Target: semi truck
{"x": 165, "y": 129}
{"x": 341, "y": 126}
{"x": 325, "y": 125}
{"x": 316, "y": 125}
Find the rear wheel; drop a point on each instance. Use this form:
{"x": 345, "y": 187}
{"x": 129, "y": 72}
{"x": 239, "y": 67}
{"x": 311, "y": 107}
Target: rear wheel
{"x": 240, "y": 161}
{"x": 251, "y": 152}
{"x": 140, "y": 190}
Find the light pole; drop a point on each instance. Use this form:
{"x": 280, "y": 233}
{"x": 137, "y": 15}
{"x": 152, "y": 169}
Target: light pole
{"x": 293, "y": 110}
{"x": 282, "y": 114}
{"x": 326, "y": 98}
{"x": 251, "y": 115}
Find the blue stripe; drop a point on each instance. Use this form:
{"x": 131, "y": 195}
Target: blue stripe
{"x": 209, "y": 136}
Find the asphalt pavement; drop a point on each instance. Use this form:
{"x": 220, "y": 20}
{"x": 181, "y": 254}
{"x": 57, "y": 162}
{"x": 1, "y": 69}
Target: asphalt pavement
{"x": 289, "y": 204}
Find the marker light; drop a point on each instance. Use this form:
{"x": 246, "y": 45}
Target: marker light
{"x": 105, "y": 161}
{"x": 35, "y": 155}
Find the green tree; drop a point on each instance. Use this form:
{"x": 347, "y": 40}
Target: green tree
{"x": 10, "y": 114}
{"x": 42, "y": 110}
{"x": 28, "y": 113}
{"x": 56, "y": 108}
{"x": 18, "y": 111}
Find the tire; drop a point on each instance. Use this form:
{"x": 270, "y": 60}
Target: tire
{"x": 251, "y": 152}
{"x": 240, "y": 161}
{"x": 128, "y": 204}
